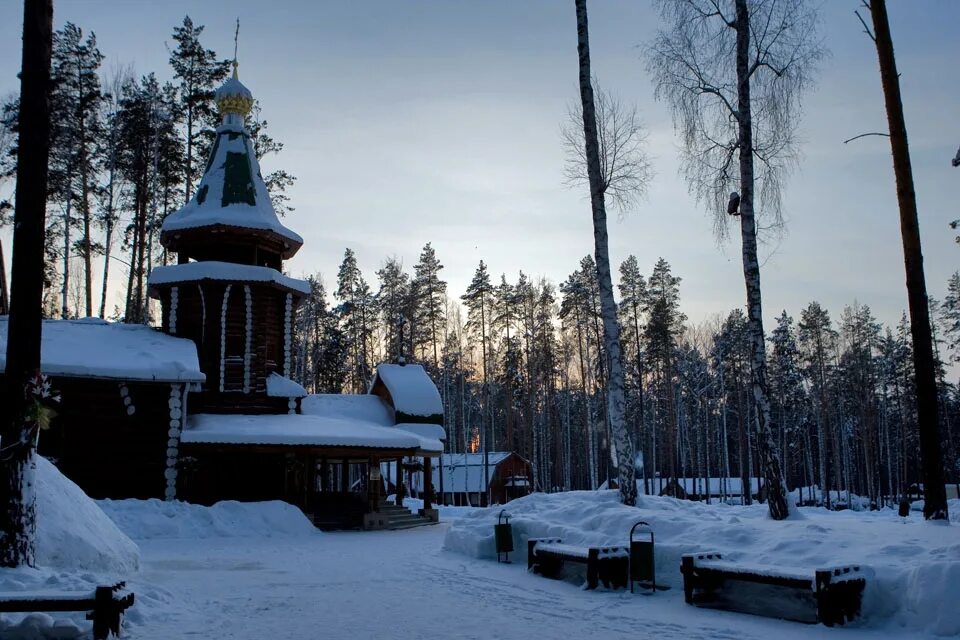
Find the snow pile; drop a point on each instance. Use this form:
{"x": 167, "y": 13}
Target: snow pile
{"x": 348, "y": 406}
{"x": 152, "y": 519}
{"x": 279, "y": 386}
{"x": 77, "y": 548}
{"x": 73, "y": 533}
{"x": 916, "y": 563}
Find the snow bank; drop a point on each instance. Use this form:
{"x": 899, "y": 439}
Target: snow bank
{"x": 73, "y": 533}
{"x": 78, "y": 547}
{"x": 916, "y": 563}
{"x": 150, "y": 519}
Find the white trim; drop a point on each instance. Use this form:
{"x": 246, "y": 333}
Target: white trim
{"x": 223, "y": 334}
{"x": 174, "y": 300}
{"x": 247, "y": 354}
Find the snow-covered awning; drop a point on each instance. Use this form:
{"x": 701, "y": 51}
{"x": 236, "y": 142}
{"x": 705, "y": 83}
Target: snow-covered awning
{"x": 297, "y": 429}
{"x": 226, "y": 271}
{"x": 95, "y": 348}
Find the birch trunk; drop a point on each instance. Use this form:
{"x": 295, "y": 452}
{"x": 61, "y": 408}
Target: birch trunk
{"x": 611, "y": 327}
{"x": 776, "y": 489}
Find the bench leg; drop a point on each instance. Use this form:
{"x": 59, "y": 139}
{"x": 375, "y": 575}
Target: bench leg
{"x": 593, "y": 568}
{"x": 686, "y": 568}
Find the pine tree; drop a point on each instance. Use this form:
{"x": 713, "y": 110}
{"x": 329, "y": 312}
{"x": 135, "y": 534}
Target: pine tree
{"x": 817, "y": 341}
{"x": 633, "y": 294}
{"x": 788, "y": 398}
{"x": 358, "y": 321}
{"x": 278, "y": 181}
{"x": 430, "y": 295}
{"x": 198, "y": 72}
{"x": 478, "y": 300}
{"x": 664, "y": 326}
{"x": 394, "y": 301}
{"x": 78, "y": 103}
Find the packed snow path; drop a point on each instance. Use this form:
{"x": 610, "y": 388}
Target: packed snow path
{"x": 399, "y": 584}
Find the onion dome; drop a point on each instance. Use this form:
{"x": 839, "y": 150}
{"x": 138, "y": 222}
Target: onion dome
{"x": 233, "y": 96}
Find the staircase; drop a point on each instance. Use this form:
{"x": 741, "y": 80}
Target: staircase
{"x": 402, "y": 518}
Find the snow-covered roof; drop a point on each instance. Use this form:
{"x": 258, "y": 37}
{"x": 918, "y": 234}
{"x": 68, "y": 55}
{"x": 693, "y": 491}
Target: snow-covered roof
{"x": 279, "y": 386}
{"x": 363, "y": 408}
{"x": 411, "y": 390}
{"x": 94, "y": 348}
{"x": 425, "y": 430}
{"x": 227, "y": 271}
{"x": 297, "y": 429}
{"x": 232, "y": 191}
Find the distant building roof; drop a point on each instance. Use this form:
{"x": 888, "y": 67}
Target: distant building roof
{"x": 95, "y": 348}
{"x": 410, "y": 391}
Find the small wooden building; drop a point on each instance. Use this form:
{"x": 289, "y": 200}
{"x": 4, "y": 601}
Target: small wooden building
{"x": 509, "y": 476}
{"x": 123, "y": 392}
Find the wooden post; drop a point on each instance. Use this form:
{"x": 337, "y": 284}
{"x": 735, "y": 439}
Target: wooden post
{"x": 399, "y": 483}
{"x": 345, "y": 476}
{"x": 324, "y": 473}
{"x": 427, "y": 482}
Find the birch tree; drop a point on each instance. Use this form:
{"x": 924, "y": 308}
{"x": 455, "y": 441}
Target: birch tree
{"x": 733, "y": 72}
{"x": 611, "y": 324}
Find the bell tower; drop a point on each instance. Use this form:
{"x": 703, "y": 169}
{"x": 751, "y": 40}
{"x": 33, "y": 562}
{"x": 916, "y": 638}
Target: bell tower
{"x": 227, "y": 291}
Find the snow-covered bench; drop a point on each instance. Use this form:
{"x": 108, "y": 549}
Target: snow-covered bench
{"x": 105, "y": 606}
{"x": 828, "y": 595}
{"x": 607, "y": 564}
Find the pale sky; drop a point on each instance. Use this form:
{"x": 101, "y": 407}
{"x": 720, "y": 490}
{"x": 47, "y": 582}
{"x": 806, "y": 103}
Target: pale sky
{"x": 438, "y": 120}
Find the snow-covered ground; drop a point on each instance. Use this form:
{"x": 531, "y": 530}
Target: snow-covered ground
{"x": 260, "y": 570}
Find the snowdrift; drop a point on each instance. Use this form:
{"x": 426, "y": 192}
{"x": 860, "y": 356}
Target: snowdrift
{"x": 73, "y": 533}
{"x": 77, "y": 548}
{"x": 151, "y": 519}
{"x": 916, "y": 563}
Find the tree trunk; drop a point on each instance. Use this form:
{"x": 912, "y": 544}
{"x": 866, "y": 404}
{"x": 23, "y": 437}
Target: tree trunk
{"x": 776, "y": 490}
{"x": 611, "y": 327}
{"x": 17, "y": 497}
{"x": 935, "y": 498}
{"x": 65, "y": 290}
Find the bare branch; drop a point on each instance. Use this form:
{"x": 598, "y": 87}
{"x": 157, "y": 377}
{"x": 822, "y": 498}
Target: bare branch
{"x": 864, "y": 135}
{"x": 866, "y": 28}
{"x": 624, "y": 165}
